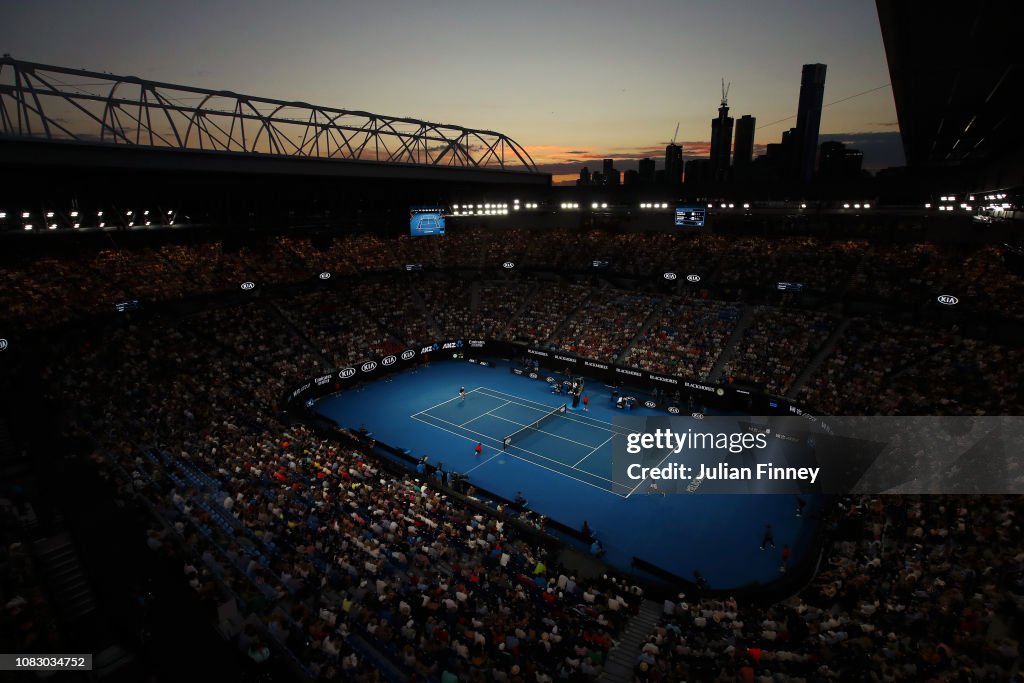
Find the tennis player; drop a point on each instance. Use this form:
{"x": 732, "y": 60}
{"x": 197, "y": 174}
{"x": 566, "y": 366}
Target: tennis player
{"x": 462, "y": 393}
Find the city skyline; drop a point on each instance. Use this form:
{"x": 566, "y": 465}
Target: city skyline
{"x": 573, "y": 82}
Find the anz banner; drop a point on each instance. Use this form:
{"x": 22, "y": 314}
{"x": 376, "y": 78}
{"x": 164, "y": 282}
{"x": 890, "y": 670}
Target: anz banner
{"x": 340, "y": 379}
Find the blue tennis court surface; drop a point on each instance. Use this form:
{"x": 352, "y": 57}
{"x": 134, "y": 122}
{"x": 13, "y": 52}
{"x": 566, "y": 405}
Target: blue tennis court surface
{"x": 564, "y": 469}
{"x": 570, "y": 443}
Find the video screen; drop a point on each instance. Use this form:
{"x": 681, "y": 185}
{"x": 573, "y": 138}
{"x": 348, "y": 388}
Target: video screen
{"x": 690, "y": 216}
{"x": 426, "y": 220}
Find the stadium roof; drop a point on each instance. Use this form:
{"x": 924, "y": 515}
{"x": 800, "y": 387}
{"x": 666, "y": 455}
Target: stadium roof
{"x": 956, "y": 74}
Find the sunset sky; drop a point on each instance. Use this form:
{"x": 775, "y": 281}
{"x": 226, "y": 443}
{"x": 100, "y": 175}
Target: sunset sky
{"x": 573, "y": 82}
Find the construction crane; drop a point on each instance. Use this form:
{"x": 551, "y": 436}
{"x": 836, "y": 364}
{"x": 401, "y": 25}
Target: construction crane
{"x": 725, "y": 93}
{"x": 675, "y": 135}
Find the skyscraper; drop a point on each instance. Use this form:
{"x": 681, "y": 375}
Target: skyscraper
{"x": 721, "y": 139}
{"x": 673, "y": 165}
{"x": 743, "y": 148}
{"x": 610, "y": 173}
{"x": 645, "y": 171}
{"x": 808, "y": 120}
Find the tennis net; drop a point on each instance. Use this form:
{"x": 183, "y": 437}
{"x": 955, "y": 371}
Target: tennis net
{"x": 533, "y": 426}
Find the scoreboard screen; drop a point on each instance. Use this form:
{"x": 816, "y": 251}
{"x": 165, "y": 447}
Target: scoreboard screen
{"x": 426, "y": 220}
{"x": 690, "y": 216}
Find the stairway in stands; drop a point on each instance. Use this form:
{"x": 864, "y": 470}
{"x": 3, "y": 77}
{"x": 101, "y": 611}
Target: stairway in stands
{"x": 729, "y": 350}
{"x": 578, "y": 310}
{"x": 622, "y": 657}
{"x": 824, "y": 352}
{"x": 63, "y": 574}
{"x": 642, "y": 331}
{"x": 499, "y": 330}
{"x": 424, "y": 310}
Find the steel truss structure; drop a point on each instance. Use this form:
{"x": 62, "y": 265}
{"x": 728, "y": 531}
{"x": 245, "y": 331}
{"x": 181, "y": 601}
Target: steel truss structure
{"x": 54, "y": 103}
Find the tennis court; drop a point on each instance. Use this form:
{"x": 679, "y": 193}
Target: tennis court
{"x": 549, "y": 435}
{"x": 563, "y": 467}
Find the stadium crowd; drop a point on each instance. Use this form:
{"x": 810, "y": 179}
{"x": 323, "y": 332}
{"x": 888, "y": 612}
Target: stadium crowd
{"x": 686, "y": 339}
{"x": 317, "y": 541}
{"x": 884, "y": 363}
{"x": 348, "y": 567}
{"x": 915, "y": 588}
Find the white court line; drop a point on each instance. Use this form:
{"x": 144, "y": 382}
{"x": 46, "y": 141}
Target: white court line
{"x": 594, "y": 451}
{"x": 482, "y": 414}
{"x": 461, "y": 436}
{"x": 491, "y": 438}
{"x": 479, "y": 465}
{"x": 670, "y": 454}
{"x": 583, "y": 419}
{"x": 578, "y": 443}
{"x": 450, "y": 400}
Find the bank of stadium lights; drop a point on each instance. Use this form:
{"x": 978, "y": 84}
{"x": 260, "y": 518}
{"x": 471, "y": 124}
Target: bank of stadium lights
{"x": 25, "y": 214}
{"x": 596, "y": 205}
{"x": 49, "y": 214}
{"x": 803, "y": 206}
{"x": 3, "y": 215}
{"x": 653, "y": 205}
{"x": 570, "y": 205}
{"x": 28, "y": 226}
{"x": 746, "y": 206}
